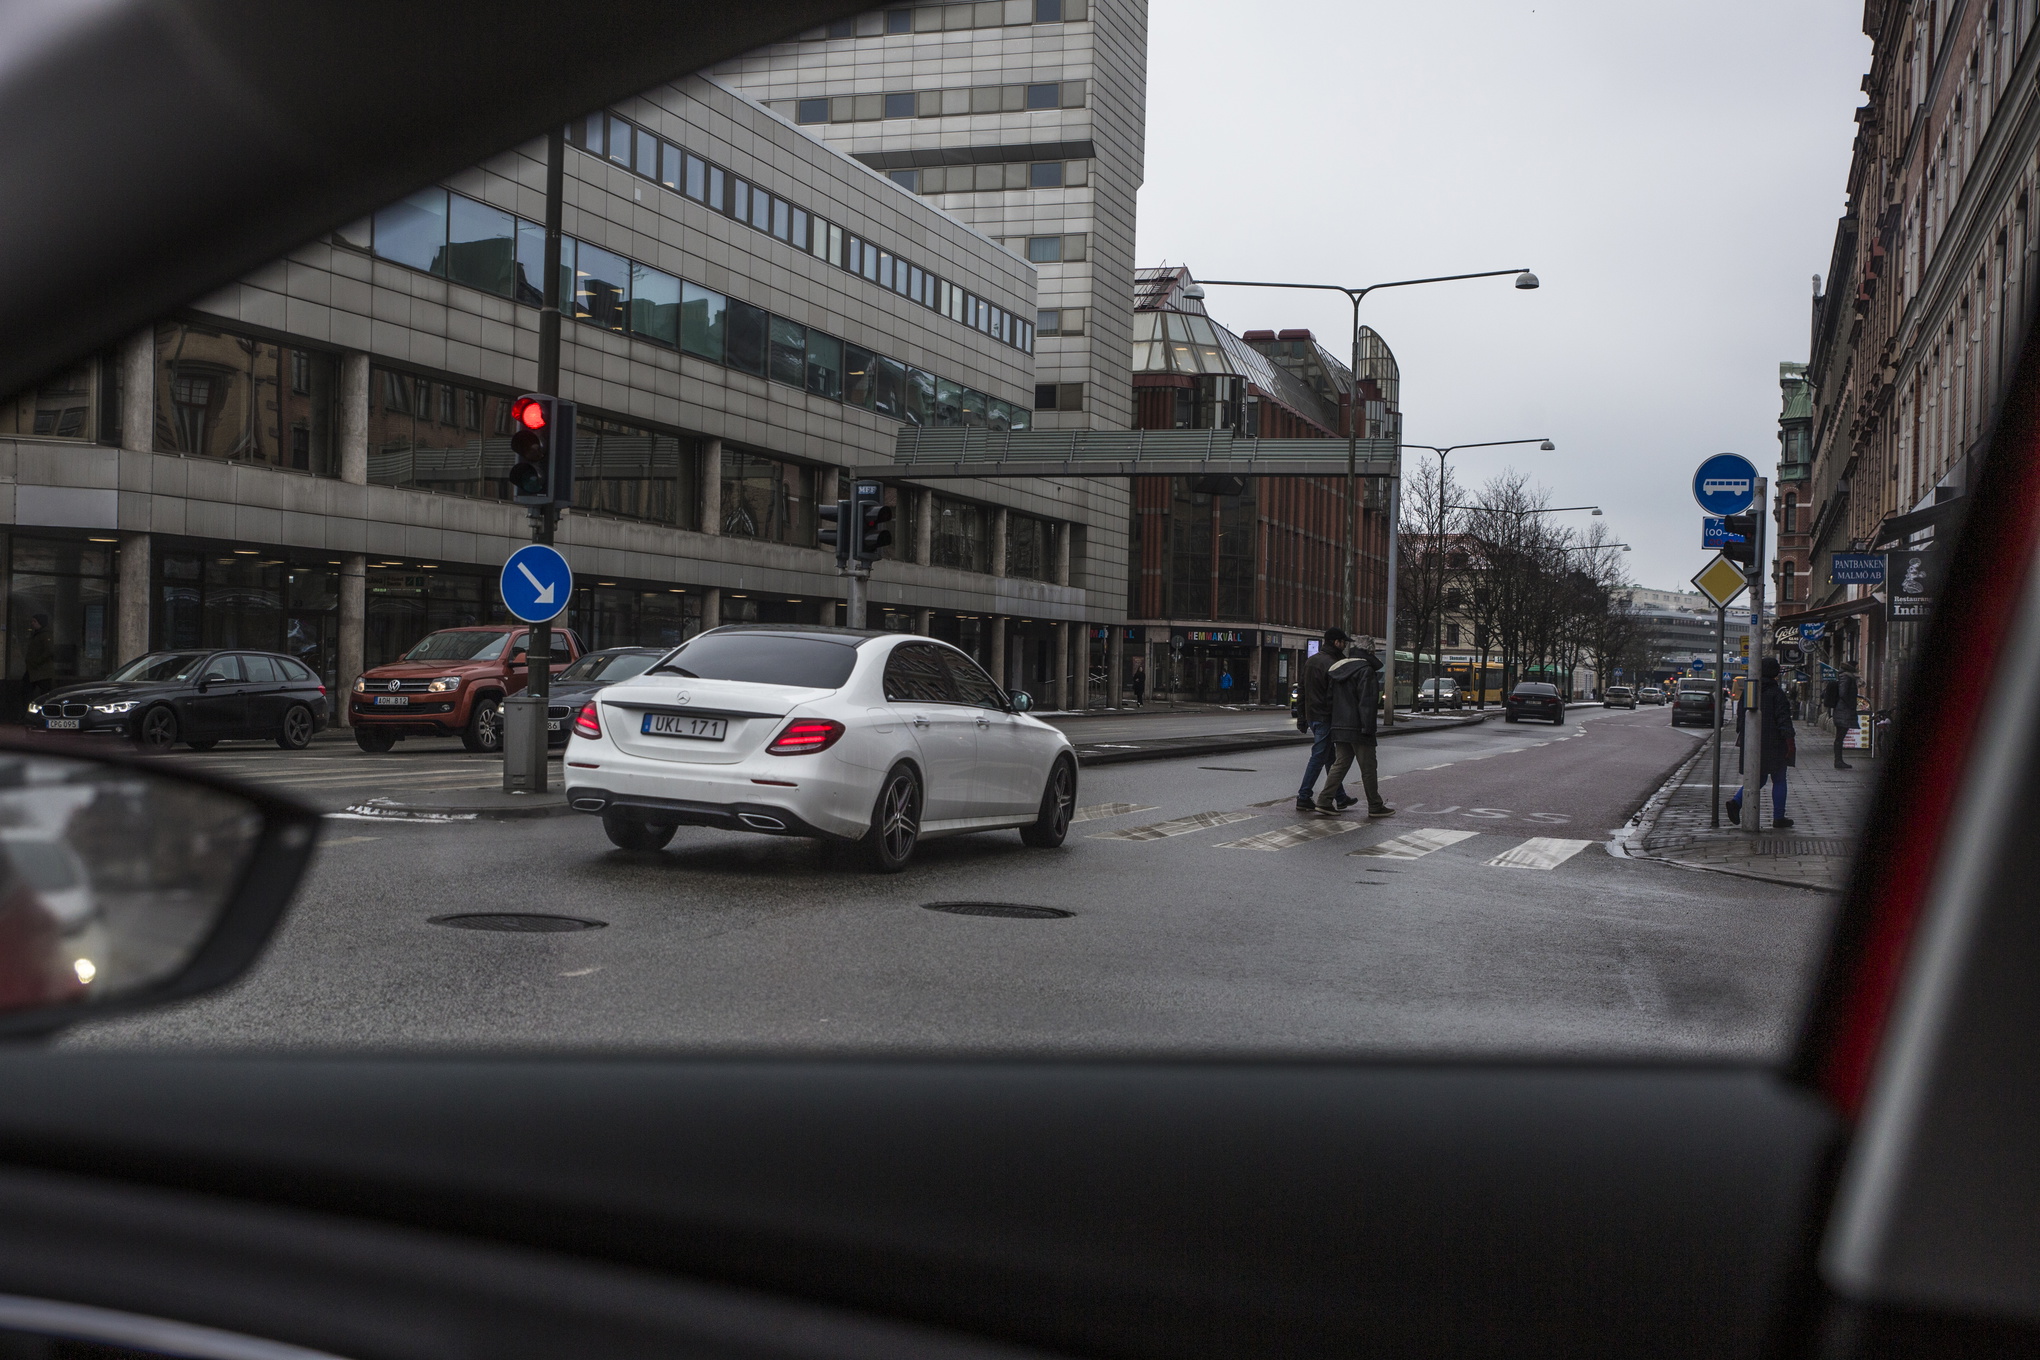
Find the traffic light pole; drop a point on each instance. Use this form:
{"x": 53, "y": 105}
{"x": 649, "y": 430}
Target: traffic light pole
{"x": 855, "y": 590}
{"x": 525, "y": 762}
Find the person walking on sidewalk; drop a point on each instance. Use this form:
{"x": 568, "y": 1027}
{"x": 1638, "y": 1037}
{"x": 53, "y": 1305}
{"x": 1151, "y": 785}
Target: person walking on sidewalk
{"x": 1355, "y": 683}
{"x": 1840, "y": 699}
{"x": 1314, "y": 715}
{"x": 1780, "y": 746}
{"x": 1139, "y": 685}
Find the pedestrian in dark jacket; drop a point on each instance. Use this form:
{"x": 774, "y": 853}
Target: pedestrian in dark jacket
{"x": 1355, "y": 685}
{"x": 1314, "y": 715}
{"x": 1778, "y": 748}
{"x": 1840, "y": 698}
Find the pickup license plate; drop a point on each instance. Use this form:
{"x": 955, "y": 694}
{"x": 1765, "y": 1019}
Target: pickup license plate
{"x": 392, "y": 701}
{"x": 683, "y": 725}
{"x": 62, "y": 724}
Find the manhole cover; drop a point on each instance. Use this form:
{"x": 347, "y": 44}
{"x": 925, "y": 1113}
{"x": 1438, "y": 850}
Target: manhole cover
{"x": 516, "y": 922}
{"x": 1013, "y": 910}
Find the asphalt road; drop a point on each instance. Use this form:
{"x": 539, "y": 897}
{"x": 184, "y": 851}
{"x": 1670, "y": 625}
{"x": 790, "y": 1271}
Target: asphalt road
{"x": 1487, "y": 917}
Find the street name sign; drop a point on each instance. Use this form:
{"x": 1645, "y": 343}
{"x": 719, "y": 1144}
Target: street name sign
{"x": 537, "y": 583}
{"x": 1856, "y": 569}
{"x": 1725, "y": 484}
{"x": 1720, "y": 581}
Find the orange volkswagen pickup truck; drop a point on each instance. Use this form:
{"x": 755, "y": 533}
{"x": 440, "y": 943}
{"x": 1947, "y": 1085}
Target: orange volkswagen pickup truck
{"x": 451, "y": 684}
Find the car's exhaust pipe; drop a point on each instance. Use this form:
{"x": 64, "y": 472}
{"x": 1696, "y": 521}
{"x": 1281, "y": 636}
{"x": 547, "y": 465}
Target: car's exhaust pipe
{"x": 758, "y": 821}
{"x": 589, "y": 804}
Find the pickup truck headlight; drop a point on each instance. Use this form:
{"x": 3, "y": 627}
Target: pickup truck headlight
{"x": 118, "y": 706}
{"x": 442, "y": 685}
{"x": 361, "y": 686}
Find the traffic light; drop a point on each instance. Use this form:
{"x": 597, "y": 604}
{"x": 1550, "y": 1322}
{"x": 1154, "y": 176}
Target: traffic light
{"x": 872, "y": 518}
{"x": 542, "y": 442}
{"x": 835, "y": 520}
{"x": 1740, "y": 539}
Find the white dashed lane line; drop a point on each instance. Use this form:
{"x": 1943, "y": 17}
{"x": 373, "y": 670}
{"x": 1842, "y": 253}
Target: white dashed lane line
{"x": 1178, "y": 826}
{"x": 1098, "y": 810}
{"x": 1284, "y": 837}
{"x": 1415, "y": 844}
{"x": 1539, "y": 852}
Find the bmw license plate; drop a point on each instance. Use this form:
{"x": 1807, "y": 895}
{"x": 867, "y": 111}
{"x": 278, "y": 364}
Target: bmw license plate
{"x": 62, "y": 724}
{"x": 554, "y": 724}
{"x": 683, "y": 725}
{"x": 392, "y": 701}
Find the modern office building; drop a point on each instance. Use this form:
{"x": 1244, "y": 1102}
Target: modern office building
{"x": 1231, "y": 577}
{"x": 311, "y": 459}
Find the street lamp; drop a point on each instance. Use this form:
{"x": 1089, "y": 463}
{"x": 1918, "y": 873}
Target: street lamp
{"x": 1524, "y": 280}
{"x": 1437, "y": 546}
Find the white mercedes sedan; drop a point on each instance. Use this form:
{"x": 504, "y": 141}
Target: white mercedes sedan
{"x": 882, "y": 739}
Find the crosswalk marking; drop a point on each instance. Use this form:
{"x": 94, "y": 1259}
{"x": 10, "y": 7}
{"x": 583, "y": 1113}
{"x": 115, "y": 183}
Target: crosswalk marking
{"x": 1283, "y": 837}
{"x": 1539, "y": 852}
{"x": 1097, "y": 810}
{"x": 1416, "y": 844}
{"x": 1178, "y": 826}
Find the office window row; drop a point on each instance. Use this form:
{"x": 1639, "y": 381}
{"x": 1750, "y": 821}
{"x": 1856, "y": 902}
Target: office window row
{"x": 938, "y": 18}
{"x": 1059, "y": 321}
{"x": 602, "y": 288}
{"x": 1069, "y": 248}
{"x": 624, "y": 143}
{"x": 868, "y": 108}
{"x": 971, "y": 179}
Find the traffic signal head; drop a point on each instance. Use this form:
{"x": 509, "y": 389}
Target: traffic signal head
{"x": 834, "y": 531}
{"x": 874, "y": 529}
{"x": 1740, "y": 539}
{"x": 542, "y": 447}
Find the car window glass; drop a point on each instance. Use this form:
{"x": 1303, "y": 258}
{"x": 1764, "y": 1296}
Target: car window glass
{"x": 223, "y": 668}
{"x": 460, "y": 645}
{"x": 258, "y": 670}
{"x": 293, "y": 671}
{"x": 916, "y": 674}
{"x": 973, "y": 686}
{"x": 764, "y": 659}
{"x": 160, "y": 666}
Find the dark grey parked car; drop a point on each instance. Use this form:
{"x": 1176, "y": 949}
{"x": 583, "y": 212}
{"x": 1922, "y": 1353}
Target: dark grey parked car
{"x": 577, "y": 684}
{"x": 197, "y": 697}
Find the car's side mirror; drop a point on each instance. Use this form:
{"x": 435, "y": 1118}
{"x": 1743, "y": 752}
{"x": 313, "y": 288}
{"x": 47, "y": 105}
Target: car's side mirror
{"x": 519, "y": 655}
{"x": 1022, "y": 700}
{"x": 204, "y": 683}
{"x": 124, "y": 884}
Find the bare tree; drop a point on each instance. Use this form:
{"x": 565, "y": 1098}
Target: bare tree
{"x": 1430, "y": 526}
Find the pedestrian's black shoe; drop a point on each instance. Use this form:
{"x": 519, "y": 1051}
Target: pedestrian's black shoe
{"x": 1735, "y": 812}
{"x": 1343, "y": 803}
{"x": 1383, "y": 811}
{"x": 1324, "y": 811}
{"x": 1305, "y": 805}
{"x": 1844, "y": 765}
{"x": 1781, "y": 821}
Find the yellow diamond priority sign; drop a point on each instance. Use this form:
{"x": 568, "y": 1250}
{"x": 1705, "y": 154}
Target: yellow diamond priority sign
{"x": 1720, "y": 581}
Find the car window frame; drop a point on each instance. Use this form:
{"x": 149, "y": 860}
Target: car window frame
{"x": 907, "y": 649}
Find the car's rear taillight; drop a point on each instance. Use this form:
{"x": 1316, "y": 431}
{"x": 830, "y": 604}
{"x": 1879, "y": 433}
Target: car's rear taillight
{"x": 586, "y": 722}
{"x": 805, "y": 735}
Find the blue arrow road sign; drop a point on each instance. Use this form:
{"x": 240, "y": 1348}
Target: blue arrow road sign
{"x": 1725, "y": 484}
{"x": 537, "y": 583}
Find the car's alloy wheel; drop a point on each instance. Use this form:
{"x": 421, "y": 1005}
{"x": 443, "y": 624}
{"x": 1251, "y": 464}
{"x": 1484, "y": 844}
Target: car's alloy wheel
{"x": 895, "y": 822}
{"x": 1058, "y": 805}
{"x": 157, "y": 730}
{"x": 374, "y": 740}
{"x": 485, "y": 729}
{"x": 297, "y": 729}
{"x": 633, "y": 831}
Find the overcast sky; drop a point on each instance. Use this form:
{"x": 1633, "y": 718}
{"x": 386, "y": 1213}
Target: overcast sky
{"x": 1672, "y": 172}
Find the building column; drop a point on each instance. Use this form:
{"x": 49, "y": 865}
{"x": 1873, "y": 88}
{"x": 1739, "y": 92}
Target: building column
{"x": 131, "y": 600}
{"x": 924, "y": 526}
{"x": 354, "y": 403}
{"x": 924, "y": 622}
{"x": 711, "y": 500}
{"x": 1058, "y": 665}
{"x": 1062, "y": 554}
{"x": 1080, "y": 664}
{"x": 138, "y": 390}
{"x": 1115, "y": 665}
{"x": 998, "y": 666}
{"x": 711, "y": 608}
{"x": 999, "y": 541}
{"x": 351, "y": 655}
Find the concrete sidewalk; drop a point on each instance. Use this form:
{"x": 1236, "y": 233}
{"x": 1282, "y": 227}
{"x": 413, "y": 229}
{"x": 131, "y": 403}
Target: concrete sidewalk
{"x": 1827, "y": 807}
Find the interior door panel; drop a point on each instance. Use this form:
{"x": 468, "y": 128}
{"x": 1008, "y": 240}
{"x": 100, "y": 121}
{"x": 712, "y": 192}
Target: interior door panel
{"x": 1125, "y": 1209}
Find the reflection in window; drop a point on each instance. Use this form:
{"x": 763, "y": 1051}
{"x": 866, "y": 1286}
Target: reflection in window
{"x": 888, "y": 387}
{"x": 412, "y": 231}
{"x": 641, "y": 474}
{"x": 654, "y": 304}
{"x": 601, "y": 286}
{"x": 789, "y": 352}
{"x": 746, "y": 332}
{"x": 856, "y": 376}
{"x": 61, "y": 408}
{"x": 481, "y": 246}
{"x": 702, "y": 314}
{"x": 824, "y": 364}
{"x": 60, "y": 615}
{"x": 765, "y": 498}
{"x": 959, "y": 536}
{"x": 221, "y": 395}
{"x": 1027, "y": 547}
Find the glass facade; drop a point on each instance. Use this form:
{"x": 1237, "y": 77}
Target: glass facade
{"x": 60, "y": 614}
{"x": 257, "y": 600}
{"x": 82, "y": 403}
{"x": 234, "y": 397}
{"x": 1028, "y": 547}
{"x": 960, "y": 536}
{"x": 765, "y": 498}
